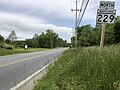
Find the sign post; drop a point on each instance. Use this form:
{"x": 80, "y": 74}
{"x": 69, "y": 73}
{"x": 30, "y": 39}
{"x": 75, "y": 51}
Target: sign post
{"x": 26, "y": 47}
{"x": 105, "y": 15}
{"x": 102, "y": 35}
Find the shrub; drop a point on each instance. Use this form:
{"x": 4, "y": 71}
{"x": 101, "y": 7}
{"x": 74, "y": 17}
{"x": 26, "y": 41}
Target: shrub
{"x": 7, "y": 46}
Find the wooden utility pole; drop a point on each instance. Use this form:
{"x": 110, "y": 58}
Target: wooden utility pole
{"x": 76, "y": 17}
{"x": 76, "y": 27}
{"x": 102, "y": 36}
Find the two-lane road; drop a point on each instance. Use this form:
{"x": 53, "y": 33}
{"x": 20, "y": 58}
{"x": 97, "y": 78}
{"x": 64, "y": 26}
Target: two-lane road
{"x": 15, "y": 68}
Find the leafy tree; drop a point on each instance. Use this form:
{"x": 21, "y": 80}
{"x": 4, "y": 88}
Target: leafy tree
{"x": 73, "y": 41}
{"x": 12, "y": 36}
{"x": 1, "y": 39}
{"x": 97, "y": 35}
{"x": 49, "y": 39}
{"x": 52, "y": 38}
{"x": 30, "y": 43}
{"x": 86, "y": 37}
{"x": 35, "y": 40}
{"x": 42, "y": 41}
{"x": 109, "y": 34}
{"x": 19, "y": 43}
{"x": 117, "y": 30}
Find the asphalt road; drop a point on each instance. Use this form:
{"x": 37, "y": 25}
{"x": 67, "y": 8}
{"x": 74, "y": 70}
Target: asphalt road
{"x": 15, "y": 68}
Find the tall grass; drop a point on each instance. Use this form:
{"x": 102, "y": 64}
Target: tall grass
{"x": 4, "y": 51}
{"x": 87, "y": 69}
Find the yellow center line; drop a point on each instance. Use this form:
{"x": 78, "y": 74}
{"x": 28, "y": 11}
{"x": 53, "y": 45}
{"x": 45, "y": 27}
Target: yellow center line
{"x": 21, "y": 60}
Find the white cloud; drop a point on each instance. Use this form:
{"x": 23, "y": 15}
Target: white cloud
{"x": 28, "y": 17}
{"x": 26, "y": 27}
{"x": 55, "y": 8}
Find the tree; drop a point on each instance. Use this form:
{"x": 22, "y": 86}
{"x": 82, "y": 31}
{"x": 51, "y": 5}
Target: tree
{"x": 52, "y": 38}
{"x": 30, "y": 43}
{"x": 109, "y": 34}
{"x": 19, "y": 43}
{"x": 42, "y": 43}
{"x": 35, "y": 40}
{"x": 49, "y": 39}
{"x": 86, "y": 36}
{"x": 12, "y": 36}
{"x": 1, "y": 39}
{"x": 117, "y": 30}
{"x": 73, "y": 41}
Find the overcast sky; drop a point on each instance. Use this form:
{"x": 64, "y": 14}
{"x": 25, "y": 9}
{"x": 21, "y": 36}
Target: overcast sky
{"x": 29, "y": 17}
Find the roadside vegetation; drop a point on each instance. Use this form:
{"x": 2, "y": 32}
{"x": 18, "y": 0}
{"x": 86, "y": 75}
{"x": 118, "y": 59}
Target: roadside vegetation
{"x": 4, "y": 51}
{"x": 87, "y": 69}
{"x": 90, "y": 36}
{"x": 44, "y": 41}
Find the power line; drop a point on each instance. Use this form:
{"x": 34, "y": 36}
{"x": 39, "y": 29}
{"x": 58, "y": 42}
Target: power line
{"x": 77, "y": 21}
{"x": 83, "y": 13}
{"x": 80, "y": 10}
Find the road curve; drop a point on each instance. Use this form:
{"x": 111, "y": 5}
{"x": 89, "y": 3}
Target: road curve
{"x": 16, "y": 68}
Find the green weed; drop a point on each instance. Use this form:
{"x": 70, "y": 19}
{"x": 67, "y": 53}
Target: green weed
{"x": 84, "y": 69}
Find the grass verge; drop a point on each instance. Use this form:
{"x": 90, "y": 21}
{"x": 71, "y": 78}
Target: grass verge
{"x": 89, "y": 69}
{"x": 19, "y": 50}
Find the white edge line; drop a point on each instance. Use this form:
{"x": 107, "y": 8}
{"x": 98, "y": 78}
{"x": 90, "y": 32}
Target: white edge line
{"x": 30, "y": 77}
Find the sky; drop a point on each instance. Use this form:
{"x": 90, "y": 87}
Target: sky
{"x": 30, "y": 17}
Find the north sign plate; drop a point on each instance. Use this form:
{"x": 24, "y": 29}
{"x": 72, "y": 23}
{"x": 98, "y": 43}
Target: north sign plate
{"x": 107, "y": 4}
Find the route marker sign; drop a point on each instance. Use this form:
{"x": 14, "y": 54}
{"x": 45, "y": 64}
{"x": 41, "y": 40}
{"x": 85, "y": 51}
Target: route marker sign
{"x": 105, "y": 14}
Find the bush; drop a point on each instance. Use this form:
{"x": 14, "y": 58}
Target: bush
{"x": 7, "y": 46}
{"x": 10, "y": 48}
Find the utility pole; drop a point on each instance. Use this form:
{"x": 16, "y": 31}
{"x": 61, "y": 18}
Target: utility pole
{"x": 72, "y": 39}
{"x": 76, "y": 17}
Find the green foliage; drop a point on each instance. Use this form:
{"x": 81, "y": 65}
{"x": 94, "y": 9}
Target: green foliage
{"x": 4, "y": 51}
{"x": 90, "y": 36}
{"x": 30, "y": 43}
{"x": 8, "y": 41}
{"x": 1, "y": 39}
{"x": 19, "y": 43}
{"x": 89, "y": 69}
{"x": 109, "y": 34}
{"x": 12, "y": 36}
{"x": 7, "y": 46}
{"x": 46, "y": 40}
{"x": 117, "y": 30}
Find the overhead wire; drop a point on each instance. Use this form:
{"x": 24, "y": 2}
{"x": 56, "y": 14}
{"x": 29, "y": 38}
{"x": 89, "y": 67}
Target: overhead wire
{"x": 83, "y": 12}
{"x": 80, "y": 10}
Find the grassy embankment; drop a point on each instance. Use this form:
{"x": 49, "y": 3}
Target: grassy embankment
{"x": 90, "y": 69}
{"x": 19, "y": 50}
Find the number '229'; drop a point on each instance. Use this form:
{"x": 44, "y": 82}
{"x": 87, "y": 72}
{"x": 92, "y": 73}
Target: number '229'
{"x": 105, "y": 18}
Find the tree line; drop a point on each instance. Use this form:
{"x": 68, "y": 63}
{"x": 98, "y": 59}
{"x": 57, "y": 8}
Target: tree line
{"x": 86, "y": 36}
{"x": 90, "y": 36}
{"x": 48, "y": 39}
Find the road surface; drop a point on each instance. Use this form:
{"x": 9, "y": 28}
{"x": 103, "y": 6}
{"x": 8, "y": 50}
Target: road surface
{"x": 15, "y": 68}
